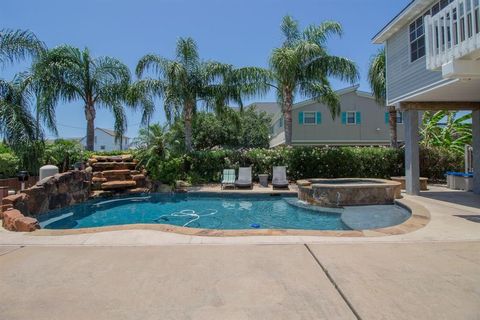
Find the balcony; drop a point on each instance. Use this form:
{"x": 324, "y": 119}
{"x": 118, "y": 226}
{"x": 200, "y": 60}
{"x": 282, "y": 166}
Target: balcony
{"x": 453, "y": 40}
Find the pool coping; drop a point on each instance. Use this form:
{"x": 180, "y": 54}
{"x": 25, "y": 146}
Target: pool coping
{"x": 419, "y": 218}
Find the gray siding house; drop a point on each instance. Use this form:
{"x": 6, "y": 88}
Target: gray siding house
{"x": 432, "y": 52}
{"x": 362, "y": 122}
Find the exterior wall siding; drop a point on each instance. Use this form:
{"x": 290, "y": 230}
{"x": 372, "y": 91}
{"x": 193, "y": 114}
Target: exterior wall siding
{"x": 333, "y": 131}
{"x": 405, "y": 77}
{"x": 103, "y": 139}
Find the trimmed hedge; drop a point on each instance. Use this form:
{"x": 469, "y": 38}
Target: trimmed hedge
{"x": 307, "y": 162}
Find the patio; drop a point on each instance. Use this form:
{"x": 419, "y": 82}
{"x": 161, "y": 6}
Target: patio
{"x": 431, "y": 273}
{"x": 320, "y": 281}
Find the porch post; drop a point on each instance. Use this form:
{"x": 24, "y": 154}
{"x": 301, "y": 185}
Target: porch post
{"x": 476, "y": 150}
{"x": 412, "y": 166}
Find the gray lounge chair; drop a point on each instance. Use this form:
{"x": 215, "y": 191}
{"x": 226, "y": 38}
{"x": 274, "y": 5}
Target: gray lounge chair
{"x": 279, "y": 178}
{"x": 244, "y": 177}
{"x": 228, "y": 178}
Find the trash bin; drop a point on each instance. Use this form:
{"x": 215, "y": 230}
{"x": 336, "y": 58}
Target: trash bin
{"x": 263, "y": 178}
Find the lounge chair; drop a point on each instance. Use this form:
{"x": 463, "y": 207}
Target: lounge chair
{"x": 279, "y": 179}
{"x": 228, "y": 178}
{"x": 244, "y": 177}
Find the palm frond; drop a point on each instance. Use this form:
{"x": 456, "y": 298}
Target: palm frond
{"x": 377, "y": 76}
{"x": 18, "y": 44}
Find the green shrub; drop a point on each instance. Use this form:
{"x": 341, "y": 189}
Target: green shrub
{"x": 307, "y": 162}
{"x": 63, "y": 153}
{"x": 9, "y": 165}
{"x": 435, "y": 161}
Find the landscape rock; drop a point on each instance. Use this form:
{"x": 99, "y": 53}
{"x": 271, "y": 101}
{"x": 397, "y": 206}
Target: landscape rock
{"x": 53, "y": 192}
{"x": 118, "y": 184}
{"x": 26, "y": 224}
{"x": 9, "y": 218}
{"x": 102, "y": 166}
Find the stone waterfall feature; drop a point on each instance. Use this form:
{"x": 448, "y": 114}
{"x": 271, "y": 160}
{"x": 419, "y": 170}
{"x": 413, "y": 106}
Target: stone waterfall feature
{"x": 116, "y": 175}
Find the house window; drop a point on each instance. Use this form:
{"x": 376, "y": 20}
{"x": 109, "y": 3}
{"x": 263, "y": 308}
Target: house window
{"x": 351, "y": 117}
{"x": 280, "y": 122}
{"x": 95, "y": 139}
{"x": 102, "y": 147}
{"x": 309, "y": 118}
{"x": 417, "y": 40}
{"x": 399, "y": 117}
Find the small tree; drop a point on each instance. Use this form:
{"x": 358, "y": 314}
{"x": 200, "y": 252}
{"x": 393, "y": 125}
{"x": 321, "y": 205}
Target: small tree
{"x": 377, "y": 76}
{"x": 71, "y": 74}
{"x": 187, "y": 79}
{"x": 302, "y": 65}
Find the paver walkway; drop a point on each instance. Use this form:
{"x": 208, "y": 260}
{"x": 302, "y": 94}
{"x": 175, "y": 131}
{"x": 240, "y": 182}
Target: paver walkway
{"x": 326, "y": 281}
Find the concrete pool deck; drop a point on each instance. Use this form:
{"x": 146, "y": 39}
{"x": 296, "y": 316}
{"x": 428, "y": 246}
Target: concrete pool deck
{"x": 317, "y": 281}
{"x": 431, "y": 273}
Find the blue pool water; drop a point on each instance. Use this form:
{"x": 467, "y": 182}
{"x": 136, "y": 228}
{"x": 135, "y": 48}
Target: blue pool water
{"x": 213, "y": 211}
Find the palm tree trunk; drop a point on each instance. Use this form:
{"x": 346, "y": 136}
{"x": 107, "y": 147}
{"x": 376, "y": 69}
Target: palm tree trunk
{"x": 392, "y": 119}
{"x": 90, "y": 116}
{"x": 188, "y": 114}
{"x": 37, "y": 123}
{"x": 287, "y": 112}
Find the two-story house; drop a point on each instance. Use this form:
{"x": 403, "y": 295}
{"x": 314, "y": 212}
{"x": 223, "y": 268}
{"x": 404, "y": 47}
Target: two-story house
{"x": 104, "y": 140}
{"x": 362, "y": 121}
{"x": 432, "y": 53}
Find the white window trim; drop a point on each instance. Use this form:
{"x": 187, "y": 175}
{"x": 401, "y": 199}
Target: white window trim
{"x": 314, "y": 118}
{"x": 354, "y": 118}
{"x": 396, "y": 118}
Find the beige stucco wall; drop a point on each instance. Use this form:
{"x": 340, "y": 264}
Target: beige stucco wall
{"x": 334, "y": 132}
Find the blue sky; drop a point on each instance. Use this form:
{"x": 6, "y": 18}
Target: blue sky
{"x": 240, "y": 32}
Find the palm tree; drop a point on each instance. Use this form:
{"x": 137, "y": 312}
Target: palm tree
{"x": 302, "y": 65}
{"x": 71, "y": 74}
{"x": 16, "y": 121}
{"x": 377, "y": 73}
{"x": 186, "y": 80}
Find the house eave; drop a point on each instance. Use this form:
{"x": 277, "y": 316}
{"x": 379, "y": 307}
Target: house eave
{"x": 411, "y": 11}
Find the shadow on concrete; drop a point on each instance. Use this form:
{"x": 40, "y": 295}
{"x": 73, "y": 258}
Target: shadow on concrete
{"x": 463, "y": 198}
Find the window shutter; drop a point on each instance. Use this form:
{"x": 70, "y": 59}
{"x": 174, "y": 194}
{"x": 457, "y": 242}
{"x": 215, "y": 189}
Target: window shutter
{"x": 344, "y": 118}
{"x": 300, "y": 117}
{"x": 387, "y": 117}
{"x": 319, "y": 117}
{"x": 358, "y": 119}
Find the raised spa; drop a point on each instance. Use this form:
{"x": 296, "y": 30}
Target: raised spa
{"x": 348, "y": 191}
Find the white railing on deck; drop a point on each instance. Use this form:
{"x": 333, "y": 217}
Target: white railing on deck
{"x": 452, "y": 33}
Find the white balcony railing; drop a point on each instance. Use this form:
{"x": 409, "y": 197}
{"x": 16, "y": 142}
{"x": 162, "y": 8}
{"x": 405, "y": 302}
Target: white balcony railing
{"x": 453, "y": 33}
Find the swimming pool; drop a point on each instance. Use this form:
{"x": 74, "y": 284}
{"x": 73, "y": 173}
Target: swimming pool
{"x": 228, "y": 212}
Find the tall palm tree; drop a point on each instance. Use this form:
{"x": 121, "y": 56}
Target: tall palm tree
{"x": 16, "y": 121}
{"x": 186, "y": 80}
{"x": 377, "y": 76}
{"x": 302, "y": 66}
{"x": 71, "y": 74}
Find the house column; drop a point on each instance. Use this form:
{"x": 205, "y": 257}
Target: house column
{"x": 476, "y": 150}
{"x": 412, "y": 161}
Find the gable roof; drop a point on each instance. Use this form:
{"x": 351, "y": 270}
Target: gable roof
{"x": 109, "y": 132}
{"x": 270, "y": 108}
{"x": 410, "y": 12}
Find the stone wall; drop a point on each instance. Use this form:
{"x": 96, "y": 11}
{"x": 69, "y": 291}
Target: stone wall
{"x": 51, "y": 193}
